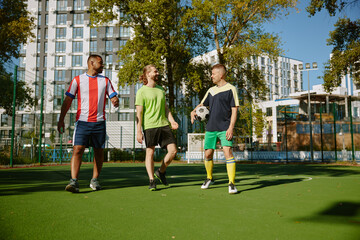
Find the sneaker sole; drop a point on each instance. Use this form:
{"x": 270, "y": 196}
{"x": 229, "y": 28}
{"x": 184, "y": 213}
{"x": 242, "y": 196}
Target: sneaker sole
{"x": 70, "y": 188}
{"x": 160, "y": 180}
{"x": 203, "y": 187}
{"x": 94, "y": 188}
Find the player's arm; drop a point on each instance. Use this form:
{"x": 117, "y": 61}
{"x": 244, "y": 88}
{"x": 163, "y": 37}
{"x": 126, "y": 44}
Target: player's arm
{"x": 64, "y": 109}
{"x": 193, "y": 113}
{"x": 139, "y": 116}
{"x": 230, "y": 131}
{"x": 115, "y": 101}
{"x": 174, "y": 124}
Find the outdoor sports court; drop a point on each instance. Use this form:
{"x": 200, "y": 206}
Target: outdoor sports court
{"x": 275, "y": 201}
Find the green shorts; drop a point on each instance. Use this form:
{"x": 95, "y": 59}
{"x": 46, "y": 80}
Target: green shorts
{"x": 211, "y": 139}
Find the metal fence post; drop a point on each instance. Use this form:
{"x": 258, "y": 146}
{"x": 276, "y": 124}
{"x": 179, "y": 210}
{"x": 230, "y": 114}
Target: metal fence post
{"x": 13, "y": 119}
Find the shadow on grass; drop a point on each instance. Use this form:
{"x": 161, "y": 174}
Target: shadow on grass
{"x": 346, "y": 212}
{"x": 123, "y": 175}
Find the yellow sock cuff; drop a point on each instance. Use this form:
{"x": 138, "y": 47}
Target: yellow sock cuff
{"x": 230, "y": 160}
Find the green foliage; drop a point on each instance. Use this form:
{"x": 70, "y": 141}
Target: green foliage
{"x": 15, "y": 27}
{"x": 160, "y": 37}
{"x": 346, "y": 42}
{"x": 236, "y": 32}
{"x": 249, "y": 112}
{"x": 23, "y": 93}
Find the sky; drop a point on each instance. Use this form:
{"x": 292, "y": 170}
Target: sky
{"x": 304, "y": 38}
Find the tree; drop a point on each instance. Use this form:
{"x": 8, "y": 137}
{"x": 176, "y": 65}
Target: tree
{"x": 235, "y": 29}
{"x": 23, "y": 93}
{"x": 160, "y": 37}
{"x": 345, "y": 39}
{"x": 15, "y": 27}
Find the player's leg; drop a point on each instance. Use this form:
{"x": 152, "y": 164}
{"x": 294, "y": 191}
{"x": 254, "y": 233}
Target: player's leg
{"x": 98, "y": 137}
{"x": 78, "y": 151}
{"x": 166, "y": 140}
{"x": 230, "y": 161}
{"x": 149, "y": 164}
{"x": 209, "y": 146}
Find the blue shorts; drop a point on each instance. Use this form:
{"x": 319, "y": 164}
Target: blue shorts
{"x": 90, "y": 134}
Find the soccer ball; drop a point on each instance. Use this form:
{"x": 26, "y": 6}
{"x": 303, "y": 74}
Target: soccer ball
{"x": 202, "y": 113}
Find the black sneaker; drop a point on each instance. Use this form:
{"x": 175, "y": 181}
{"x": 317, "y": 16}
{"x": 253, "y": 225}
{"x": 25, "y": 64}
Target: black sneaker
{"x": 161, "y": 177}
{"x": 152, "y": 185}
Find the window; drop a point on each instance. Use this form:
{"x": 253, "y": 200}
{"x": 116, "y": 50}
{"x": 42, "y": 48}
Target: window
{"x": 122, "y": 42}
{"x": 4, "y": 119}
{"x": 262, "y": 61}
{"x": 46, "y": 19}
{"x": 93, "y": 32}
{"x": 60, "y": 61}
{"x": 76, "y": 72}
{"x": 61, "y": 19}
{"x": 45, "y": 47}
{"x": 25, "y": 118}
{"x": 61, "y": 5}
{"x": 46, "y": 33}
{"x": 109, "y": 31}
{"x": 109, "y": 59}
{"x": 45, "y": 74}
{"x": 78, "y": 18}
{"x": 58, "y": 90}
{"x": 124, "y": 31}
{"x": 45, "y": 61}
{"x": 38, "y": 47}
{"x": 40, "y": 6}
{"x": 77, "y": 61}
{"x": 124, "y": 89}
{"x": 47, "y": 5}
{"x": 78, "y": 4}
{"x": 124, "y": 117}
{"x": 77, "y": 46}
{"x": 60, "y": 47}
{"x": 39, "y": 20}
{"x": 108, "y": 46}
{"x": 124, "y": 102}
{"x": 60, "y": 32}
{"x": 93, "y": 46}
{"x": 269, "y": 112}
{"x": 38, "y": 61}
{"x": 59, "y": 75}
{"x": 108, "y": 73}
{"x": 21, "y": 75}
{"x": 39, "y": 34}
{"x": 22, "y": 61}
{"x": 78, "y": 32}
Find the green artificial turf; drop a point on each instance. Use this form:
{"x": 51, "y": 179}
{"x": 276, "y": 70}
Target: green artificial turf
{"x": 274, "y": 202}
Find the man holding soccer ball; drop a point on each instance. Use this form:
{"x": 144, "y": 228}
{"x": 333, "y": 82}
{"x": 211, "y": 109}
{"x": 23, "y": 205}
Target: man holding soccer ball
{"x": 223, "y": 102}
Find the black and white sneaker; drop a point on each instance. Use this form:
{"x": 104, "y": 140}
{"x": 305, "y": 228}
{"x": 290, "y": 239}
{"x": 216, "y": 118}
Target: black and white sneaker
{"x": 207, "y": 183}
{"x": 73, "y": 186}
{"x": 152, "y": 185}
{"x": 94, "y": 184}
{"x": 161, "y": 177}
{"x": 232, "y": 188}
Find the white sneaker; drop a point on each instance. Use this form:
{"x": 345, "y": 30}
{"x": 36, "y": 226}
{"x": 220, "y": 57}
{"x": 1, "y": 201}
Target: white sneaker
{"x": 207, "y": 183}
{"x": 232, "y": 189}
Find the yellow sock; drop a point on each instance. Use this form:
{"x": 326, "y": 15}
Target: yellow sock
{"x": 209, "y": 164}
{"x": 231, "y": 169}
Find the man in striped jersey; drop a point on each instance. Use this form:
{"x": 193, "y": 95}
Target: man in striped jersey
{"x": 222, "y": 99}
{"x": 90, "y": 129}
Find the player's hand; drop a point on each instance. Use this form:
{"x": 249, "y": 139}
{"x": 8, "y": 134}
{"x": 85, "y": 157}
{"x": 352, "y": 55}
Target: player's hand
{"x": 229, "y": 134}
{"x": 139, "y": 137}
{"x": 115, "y": 101}
{"x": 61, "y": 127}
{"x": 174, "y": 125}
{"x": 193, "y": 116}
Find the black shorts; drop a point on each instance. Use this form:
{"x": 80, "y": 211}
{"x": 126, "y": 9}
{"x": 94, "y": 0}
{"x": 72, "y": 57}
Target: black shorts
{"x": 162, "y": 136}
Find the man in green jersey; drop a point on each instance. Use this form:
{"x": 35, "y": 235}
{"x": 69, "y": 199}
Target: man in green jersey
{"x": 222, "y": 99}
{"x": 153, "y": 116}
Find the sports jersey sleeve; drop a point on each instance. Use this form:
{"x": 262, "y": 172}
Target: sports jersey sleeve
{"x": 205, "y": 100}
{"x": 110, "y": 89}
{"x": 72, "y": 90}
{"x": 139, "y": 100}
{"x": 235, "y": 100}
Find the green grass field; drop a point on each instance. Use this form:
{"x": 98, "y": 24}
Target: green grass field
{"x": 274, "y": 202}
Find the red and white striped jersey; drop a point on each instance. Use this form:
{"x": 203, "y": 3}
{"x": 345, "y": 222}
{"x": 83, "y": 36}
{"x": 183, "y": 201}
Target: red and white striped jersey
{"x": 91, "y": 96}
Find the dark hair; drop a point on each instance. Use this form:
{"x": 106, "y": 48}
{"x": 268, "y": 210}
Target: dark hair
{"x": 92, "y": 56}
{"x": 146, "y": 69}
{"x": 219, "y": 66}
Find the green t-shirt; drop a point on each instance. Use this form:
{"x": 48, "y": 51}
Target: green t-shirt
{"x": 153, "y": 102}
